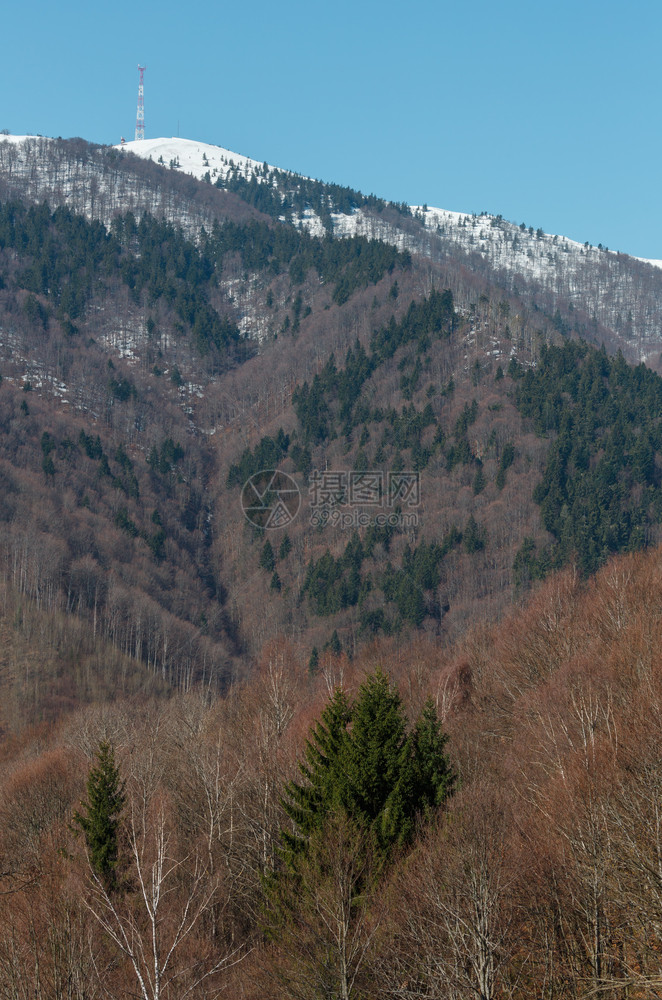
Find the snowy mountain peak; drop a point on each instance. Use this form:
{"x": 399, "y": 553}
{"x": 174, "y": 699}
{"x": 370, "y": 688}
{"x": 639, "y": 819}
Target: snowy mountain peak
{"x": 505, "y": 243}
{"x": 200, "y": 159}
{"x": 620, "y": 292}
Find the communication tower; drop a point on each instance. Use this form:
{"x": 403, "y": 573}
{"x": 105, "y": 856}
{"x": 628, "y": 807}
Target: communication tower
{"x": 140, "y": 116}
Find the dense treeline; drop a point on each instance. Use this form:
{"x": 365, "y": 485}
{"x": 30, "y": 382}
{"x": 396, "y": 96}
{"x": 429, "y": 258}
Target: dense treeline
{"x": 350, "y": 264}
{"x": 600, "y": 490}
{"x": 145, "y": 315}
{"x": 68, "y": 260}
{"x": 281, "y": 194}
{"x": 266, "y": 455}
{"x": 332, "y": 584}
{"x": 434, "y": 317}
{"x": 71, "y": 259}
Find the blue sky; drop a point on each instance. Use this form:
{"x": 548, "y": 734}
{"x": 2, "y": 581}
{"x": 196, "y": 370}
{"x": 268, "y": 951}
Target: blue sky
{"x": 548, "y": 114}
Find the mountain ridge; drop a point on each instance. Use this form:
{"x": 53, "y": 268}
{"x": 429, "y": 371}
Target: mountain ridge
{"x": 620, "y": 294}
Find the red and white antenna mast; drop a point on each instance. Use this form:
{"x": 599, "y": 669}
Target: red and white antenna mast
{"x": 140, "y": 116}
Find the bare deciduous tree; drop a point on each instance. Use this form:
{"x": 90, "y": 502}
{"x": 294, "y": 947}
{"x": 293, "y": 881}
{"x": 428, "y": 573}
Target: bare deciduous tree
{"x": 155, "y": 918}
{"x": 455, "y": 912}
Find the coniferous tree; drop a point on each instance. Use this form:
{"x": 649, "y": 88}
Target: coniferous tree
{"x": 431, "y": 778}
{"x": 479, "y": 481}
{"x": 267, "y": 558}
{"x": 307, "y": 804}
{"x": 375, "y": 772}
{"x": 334, "y": 644}
{"x": 285, "y": 547}
{"x": 377, "y": 760}
{"x": 103, "y": 809}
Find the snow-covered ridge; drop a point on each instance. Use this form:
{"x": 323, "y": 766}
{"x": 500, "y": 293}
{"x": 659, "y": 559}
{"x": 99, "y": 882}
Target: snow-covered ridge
{"x": 199, "y": 159}
{"x": 648, "y": 260}
{"x": 93, "y": 180}
{"x": 622, "y": 293}
{"x": 504, "y": 244}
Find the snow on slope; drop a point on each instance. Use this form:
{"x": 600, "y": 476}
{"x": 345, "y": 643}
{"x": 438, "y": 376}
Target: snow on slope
{"x": 195, "y": 158}
{"x": 504, "y": 244}
{"x": 617, "y": 291}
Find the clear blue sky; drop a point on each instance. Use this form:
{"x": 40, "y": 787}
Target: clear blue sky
{"x": 546, "y": 113}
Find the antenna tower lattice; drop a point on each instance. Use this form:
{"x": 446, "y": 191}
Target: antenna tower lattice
{"x": 140, "y": 116}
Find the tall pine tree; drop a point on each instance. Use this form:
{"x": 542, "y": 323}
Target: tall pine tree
{"x": 377, "y": 761}
{"x": 103, "y": 809}
{"x": 308, "y": 804}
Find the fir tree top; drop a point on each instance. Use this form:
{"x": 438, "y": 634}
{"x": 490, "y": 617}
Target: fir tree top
{"x": 103, "y": 808}
{"x": 360, "y": 760}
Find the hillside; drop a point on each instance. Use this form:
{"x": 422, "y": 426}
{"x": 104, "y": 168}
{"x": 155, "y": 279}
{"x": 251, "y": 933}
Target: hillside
{"x": 163, "y": 339}
{"x": 616, "y": 296}
{"x": 558, "y": 272}
{"x": 530, "y": 877}
{"x": 329, "y": 591}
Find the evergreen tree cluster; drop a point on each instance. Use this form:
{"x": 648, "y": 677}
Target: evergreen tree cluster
{"x": 281, "y": 194}
{"x": 334, "y": 584}
{"x": 334, "y": 400}
{"x": 65, "y": 450}
{"x": 266, "y": 455}
{"x": 350, "y": 264}
{"x": 361, "y": 760}
{"x": 165, "y": 458}
{"x": 68, "y": 255}
{"x": 122, "y": 476}
{"x": 431, "y": 317}
{"x": 600, "y": 489}
{"x": 71, "y": 259}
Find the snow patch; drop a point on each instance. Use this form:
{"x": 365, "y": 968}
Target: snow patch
{"x": 198, "y": 159}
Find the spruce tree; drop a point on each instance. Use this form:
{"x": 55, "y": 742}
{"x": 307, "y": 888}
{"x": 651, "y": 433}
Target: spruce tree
{"x": 360, "y": 760}
{"x": 267, "y": 558}
{"x": 307, "y": 804}
{"x": 431, "y": 779}
{"x": 377, "y": 760}
{"x": 103, "y": 809}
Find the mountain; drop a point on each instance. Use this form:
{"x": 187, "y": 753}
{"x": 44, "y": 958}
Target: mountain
{"x": 310, "y": 498}
{"x": 616, "y": 295}
{"x": 169, "y": 330}
{"x": 560, "y": 272}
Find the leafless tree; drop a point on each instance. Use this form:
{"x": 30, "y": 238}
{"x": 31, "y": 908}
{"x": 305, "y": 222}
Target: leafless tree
{"x": 155, "y": 918}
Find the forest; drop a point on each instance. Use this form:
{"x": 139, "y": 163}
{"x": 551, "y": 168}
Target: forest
{"x": 413, "y": 758}
{"x": 412, "y": 823}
